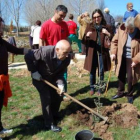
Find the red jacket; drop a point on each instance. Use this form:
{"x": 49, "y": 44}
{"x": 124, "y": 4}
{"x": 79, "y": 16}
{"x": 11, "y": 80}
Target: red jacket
{"x": 5, "y": 85}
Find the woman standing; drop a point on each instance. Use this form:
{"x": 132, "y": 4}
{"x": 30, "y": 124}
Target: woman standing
{"x": 83, "y": 20}
{"x": 97, "y": 52}
{"x": 36, "y": 32}
{"x": 5, "y": 91}
{"x": 125, "y": 50}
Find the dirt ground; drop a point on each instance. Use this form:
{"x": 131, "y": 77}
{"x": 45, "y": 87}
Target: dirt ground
{"x": 123, "y": 115}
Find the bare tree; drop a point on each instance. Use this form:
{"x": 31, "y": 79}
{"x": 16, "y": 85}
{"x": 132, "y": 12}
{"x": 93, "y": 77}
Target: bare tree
{"x": 15, "y": 7}
{"x": 101, "y": 4}
{"x": 30, "y": 14}
{"x": 4, "y": 11}
{"x": 77, "y": 7}
{"x": 44, "y": 9}
{"x": 40, "y": 10}
{"x": 119, "y": 18}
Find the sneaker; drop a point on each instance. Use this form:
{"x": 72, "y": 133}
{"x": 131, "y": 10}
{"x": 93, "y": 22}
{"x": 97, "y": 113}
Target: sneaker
{"x": 6, "y": 131}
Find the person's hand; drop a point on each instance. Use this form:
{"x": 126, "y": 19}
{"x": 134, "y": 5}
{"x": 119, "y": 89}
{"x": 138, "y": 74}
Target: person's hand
{"x": 36, "y": 75}
{"x": 113, "y": 57}
{"x": 61, "y": 87}
{"x": 104, "y": 31}
{"x": 133, "y": 64}
{"x": 88, "y": 33}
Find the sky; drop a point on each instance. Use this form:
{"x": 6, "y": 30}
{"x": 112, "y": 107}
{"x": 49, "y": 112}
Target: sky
{"x": 118, "y": 7}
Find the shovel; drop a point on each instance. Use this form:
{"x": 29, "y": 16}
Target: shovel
{"x": 78, "y": 102}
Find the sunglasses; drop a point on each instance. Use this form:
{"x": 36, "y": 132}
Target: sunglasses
{"x": 96, "y": 17}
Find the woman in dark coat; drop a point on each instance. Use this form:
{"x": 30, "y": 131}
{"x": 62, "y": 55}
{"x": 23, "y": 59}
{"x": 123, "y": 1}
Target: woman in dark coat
{"x": 5, "y": 91}
{"x": 97, "y": 51}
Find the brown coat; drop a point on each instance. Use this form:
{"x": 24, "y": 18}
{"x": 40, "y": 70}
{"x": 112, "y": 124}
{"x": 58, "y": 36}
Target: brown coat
{"x": 83, "y": 24}
{"x": 90, "y": 42}
{"x": 118, "y": 42}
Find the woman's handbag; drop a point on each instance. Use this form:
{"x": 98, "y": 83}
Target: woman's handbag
{"x": 107, "y": 42}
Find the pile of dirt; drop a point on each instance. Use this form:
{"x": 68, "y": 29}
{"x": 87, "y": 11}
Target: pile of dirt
{"x": 123, "y": 115}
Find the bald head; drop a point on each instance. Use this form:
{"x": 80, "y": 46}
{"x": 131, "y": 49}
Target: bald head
{"x": 62, "y": 49}
{"x": 63, "y": 44}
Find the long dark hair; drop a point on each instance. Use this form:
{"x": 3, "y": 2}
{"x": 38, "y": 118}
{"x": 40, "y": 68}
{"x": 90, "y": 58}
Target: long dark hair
{"x": 1, "y": 20}
{"x": 103, "y": 22}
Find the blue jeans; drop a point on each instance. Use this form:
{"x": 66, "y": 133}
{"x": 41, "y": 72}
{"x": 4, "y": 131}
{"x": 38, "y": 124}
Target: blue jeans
{"x": 94, "y": 67}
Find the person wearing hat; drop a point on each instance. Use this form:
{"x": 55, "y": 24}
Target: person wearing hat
{"x": 83, "y": 20}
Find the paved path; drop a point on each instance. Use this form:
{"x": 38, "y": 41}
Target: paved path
{"x": 17, "y": 65}
{"x": 22, "y": 65}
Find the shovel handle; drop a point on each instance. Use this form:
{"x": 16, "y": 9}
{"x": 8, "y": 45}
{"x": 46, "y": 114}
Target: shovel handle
{"x": 75, "y": 100}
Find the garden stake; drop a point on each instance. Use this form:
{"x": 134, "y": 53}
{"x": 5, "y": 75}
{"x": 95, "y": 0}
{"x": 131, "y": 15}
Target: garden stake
{"x": 108, "y": 80}
{"x": 78, "y": 102}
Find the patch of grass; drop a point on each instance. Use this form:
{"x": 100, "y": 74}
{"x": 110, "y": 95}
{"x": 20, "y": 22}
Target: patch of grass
{"x": 17, "y": 58}
{"x": 24, "y": 112}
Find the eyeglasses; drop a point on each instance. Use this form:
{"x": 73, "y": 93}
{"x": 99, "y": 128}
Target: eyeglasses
{"x": 130, "y": 6}
{"x": 96, "y": 17}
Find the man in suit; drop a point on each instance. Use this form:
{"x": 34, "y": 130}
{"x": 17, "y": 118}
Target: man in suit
{"x": 49, "y": 63}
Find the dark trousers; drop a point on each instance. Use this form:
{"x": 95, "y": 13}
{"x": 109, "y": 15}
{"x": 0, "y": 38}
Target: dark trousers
{"x": 1, "y": 105}
{"x": 30, "y": 41}
{"x": 35, "y": 46}
{"x": 125, "y": 69}
{"x": 50, "y": 101}
{"x": 83, "y": 49}
{"x": 100, "y": 66}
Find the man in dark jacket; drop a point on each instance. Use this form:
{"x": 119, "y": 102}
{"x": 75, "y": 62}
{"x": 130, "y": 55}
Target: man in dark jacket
{"x": 49, "y": 63}
{"x": 5, "y": 91}
{"x": 109, "y": 19}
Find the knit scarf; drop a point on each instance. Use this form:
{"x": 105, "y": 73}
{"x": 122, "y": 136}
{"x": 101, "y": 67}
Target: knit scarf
{"x": 98, "y": 30}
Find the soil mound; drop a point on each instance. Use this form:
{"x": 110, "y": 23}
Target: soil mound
{"x": 123, "y": 115}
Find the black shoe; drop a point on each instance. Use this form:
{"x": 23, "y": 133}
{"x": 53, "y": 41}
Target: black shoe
{"x": 117, "y": 96}
{"x": 54, "y": 128}
{"x": 130, "y": 100}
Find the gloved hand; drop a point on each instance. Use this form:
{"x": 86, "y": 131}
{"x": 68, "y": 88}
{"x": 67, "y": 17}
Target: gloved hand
{"x": 61, "y": 87}
{"x": 36, "y": 75}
